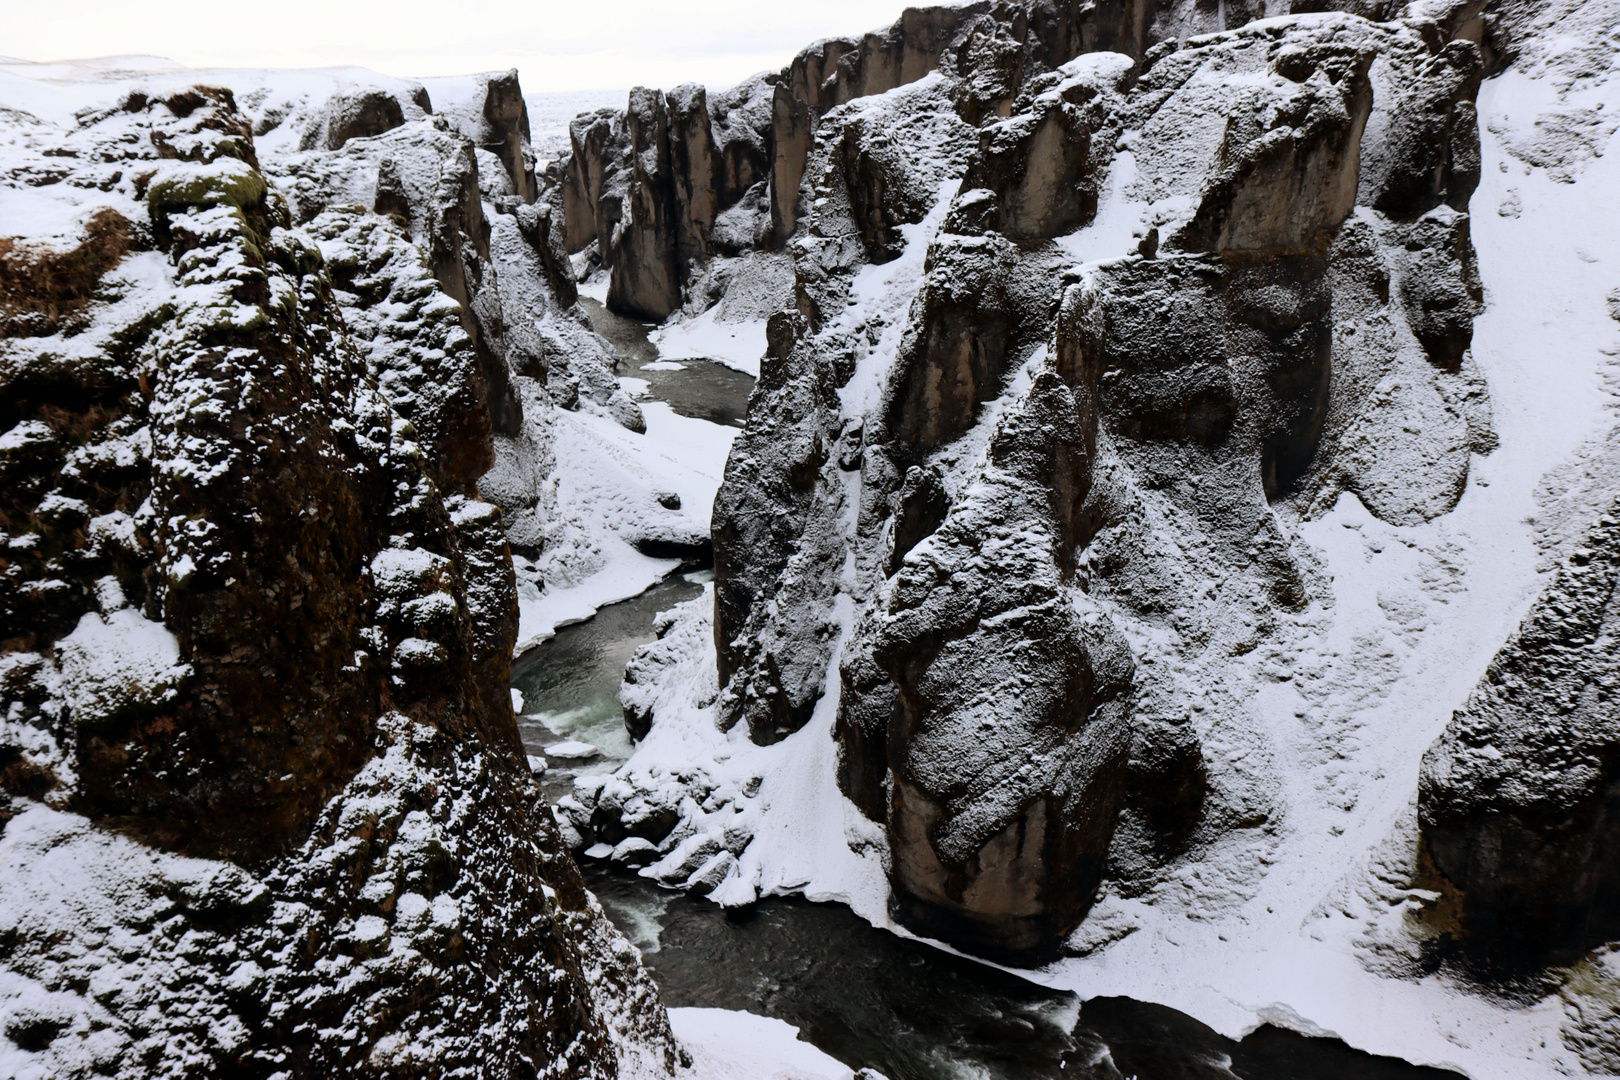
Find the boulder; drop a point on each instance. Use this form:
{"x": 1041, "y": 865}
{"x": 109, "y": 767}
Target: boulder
{"x": 361, "y": 114}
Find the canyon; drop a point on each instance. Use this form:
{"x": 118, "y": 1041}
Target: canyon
{"x": 1168, "y": 548}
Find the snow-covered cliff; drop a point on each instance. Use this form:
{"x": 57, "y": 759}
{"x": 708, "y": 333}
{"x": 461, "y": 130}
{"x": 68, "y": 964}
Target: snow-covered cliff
{"x": 1153, "y": 455}
{"x": 263, "y": 806}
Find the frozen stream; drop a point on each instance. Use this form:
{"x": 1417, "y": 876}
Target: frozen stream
{"x": 863, "y": 995}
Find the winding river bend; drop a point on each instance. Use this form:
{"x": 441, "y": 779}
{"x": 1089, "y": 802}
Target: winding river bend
{"x": 865, "y": 996}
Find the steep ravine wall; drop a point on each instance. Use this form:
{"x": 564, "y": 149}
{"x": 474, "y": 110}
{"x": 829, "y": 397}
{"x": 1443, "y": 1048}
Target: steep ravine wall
{"x": 263, "y": 805}
{"x": 647, "y": 185}
{"x": 1031, "y": 545}
{"x": 1219, "y": 349}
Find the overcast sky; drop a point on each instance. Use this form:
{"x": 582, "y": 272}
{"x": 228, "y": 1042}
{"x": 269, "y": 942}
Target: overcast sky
{"x": 556, "y": 44}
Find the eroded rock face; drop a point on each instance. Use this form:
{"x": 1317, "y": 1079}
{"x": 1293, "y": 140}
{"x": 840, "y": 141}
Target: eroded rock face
{"x": 1036, "y": 164}
{"x": 495, "y": 118}
{"x": 988, "y": 579}
{"x": 1287, "y": 165}
{"x": 692, "y": 163}
{"x": 1520, "y": 798}
{"x": 1008, "y": 672}
{"x": 356, "y": 115}
{"x": 768, "y": 129}
{"x": 646, "y": 276}
{"x": 593, "y": 138}
{"x": 255, "y": 655}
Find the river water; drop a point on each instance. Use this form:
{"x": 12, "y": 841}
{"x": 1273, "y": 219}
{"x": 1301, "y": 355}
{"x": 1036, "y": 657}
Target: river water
{"x": 865, "y": 996}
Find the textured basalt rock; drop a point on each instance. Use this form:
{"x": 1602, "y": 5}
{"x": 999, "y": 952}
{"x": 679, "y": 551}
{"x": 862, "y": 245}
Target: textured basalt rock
{"x": 791, "y": 135}
{"x": 646, "y": 276}
{"x": 257, "y": 630}
{"x": 1005, "y": 670}
{"x": 496, "y": 119}
{"x": 767, "y": 129}
{"x": 594, "y": 139}
{"x": 1037, "y": 166}
{"x": 1286, "y": 342}
{"x": 1287, "y": 166}
{"x": 356, "y": 115}
{"x": 693, "y": 168}
{"x": 1519, "y": 799}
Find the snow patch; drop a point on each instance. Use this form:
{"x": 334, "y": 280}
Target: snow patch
{"x": 738, "y": 345}
{"x": 730, "y": 1045}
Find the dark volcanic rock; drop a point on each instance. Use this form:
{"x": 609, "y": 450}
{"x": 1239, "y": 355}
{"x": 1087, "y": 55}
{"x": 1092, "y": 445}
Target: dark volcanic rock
{"x": 692, "y": 164}
{"x": 981, "y": 309}
{"x": 791, "y": 135}
{"x": 1028, "y": 496}
{"x": 1008, "y": 672}
{"x": 255, "y": 658}
{"x": 1037, "y": 165}
{"x": 361, "y": 114}
{"x": 1520, "y": 798}
{"x": 594, "y": 140}
{"x": 646, "y": 276}
{"x": 505, "y": 131}
{"x": 1282, "y": 346}
{"x": 1288, "y": 161}
{"x": 766, "y": 130}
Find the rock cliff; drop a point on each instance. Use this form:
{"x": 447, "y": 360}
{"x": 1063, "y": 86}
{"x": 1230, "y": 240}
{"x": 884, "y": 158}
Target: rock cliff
{"x": 1118, "y": 513}
{"x": 1276, "y": 325}
{"x": 264, "y": 810}
{"x": 647, "y": 185}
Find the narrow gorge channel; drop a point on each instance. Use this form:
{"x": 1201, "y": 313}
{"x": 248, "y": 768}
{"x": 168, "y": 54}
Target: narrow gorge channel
{"x": 870, "y": 998}
{"x": 1050, "y": 538}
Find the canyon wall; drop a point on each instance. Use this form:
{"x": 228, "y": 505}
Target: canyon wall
{"x": 263, "y": 805}
{"x": 1078, "y": 352}
{"x": 974, "y": 497}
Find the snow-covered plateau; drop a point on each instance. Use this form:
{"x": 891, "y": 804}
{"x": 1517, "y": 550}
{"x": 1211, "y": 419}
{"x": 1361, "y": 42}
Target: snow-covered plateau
{"x": 1170, "y": 551}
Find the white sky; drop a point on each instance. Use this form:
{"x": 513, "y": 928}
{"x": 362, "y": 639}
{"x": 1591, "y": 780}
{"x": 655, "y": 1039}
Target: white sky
{"x": 555, "y": 44}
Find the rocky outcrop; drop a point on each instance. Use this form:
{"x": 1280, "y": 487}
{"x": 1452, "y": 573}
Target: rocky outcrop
{"x": 1031, "y": 617}
{"x": 1520, "y": 798}
{"x": 593, "y": 139}
{"x": 646, "y": 276}
{"x": 1036, "y": 166}
{"x": 357, "y": 114}
{"x": 257, "y": 634}
{"x": 1287, "y": 167}
{"x": 790, "y": 137}
{"x": 425, "y": 173}
{"x": 693, "y": 169}
{"x": 496, "y": 119}
{"x": 1005, "y": 669}
{"x": 766, "y": 129}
